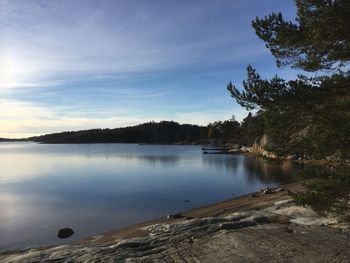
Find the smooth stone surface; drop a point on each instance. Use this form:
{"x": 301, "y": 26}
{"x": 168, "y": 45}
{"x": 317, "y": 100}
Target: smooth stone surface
{"x": 65, "y": 232}
{"x": 250, "y": 236}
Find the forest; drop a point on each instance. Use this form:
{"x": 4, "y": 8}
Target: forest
{"x": 164, "y": 132}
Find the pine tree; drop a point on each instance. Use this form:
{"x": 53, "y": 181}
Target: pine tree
{"x": 307, "y": 116}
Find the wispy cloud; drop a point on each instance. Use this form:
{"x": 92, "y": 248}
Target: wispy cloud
{"x": 22, "y": 119}
{"x": 44, "y": 41}
{"x": 80, "y": 64}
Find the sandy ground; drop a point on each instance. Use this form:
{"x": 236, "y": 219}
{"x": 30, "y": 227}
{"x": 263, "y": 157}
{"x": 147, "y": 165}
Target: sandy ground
{"x": 264, "y": 228}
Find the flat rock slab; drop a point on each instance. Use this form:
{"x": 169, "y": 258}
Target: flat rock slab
{"x": 255, "y": 236}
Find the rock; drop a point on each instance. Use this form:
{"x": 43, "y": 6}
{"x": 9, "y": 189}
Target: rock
{"x": 291, "y": 157}
{"x": 65, "y": 232}
{"x": 260, "y": 144}
{"x": 279, "y": 189}
{"x": 283, "y": 203}
{"x": 177, "y": 215}
{"x": 246, "y": 236}
{"x": 290, "y": 230}
{"x": 265, "y": 191}
{"x": 252, "y": 195}
{"x": 260, "y": 219}
{"x": 236, "y": 225}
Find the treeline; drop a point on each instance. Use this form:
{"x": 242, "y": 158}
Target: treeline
{"x": 166, "y": 132}
{"x": 233, "y": 132}
{"x": 11, "y": 140}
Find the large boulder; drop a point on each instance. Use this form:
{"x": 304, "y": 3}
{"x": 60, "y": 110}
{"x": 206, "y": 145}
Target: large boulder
{"x": 260, "y": 145}
{"x": 65, "y": 232}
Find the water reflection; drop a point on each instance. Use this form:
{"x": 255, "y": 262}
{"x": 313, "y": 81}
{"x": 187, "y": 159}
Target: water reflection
{"x": 98, "y": 187}
{"x": 227, "y": 163}
{"x": 253, "y": 168}
{"x": 258, "y": 168}
{"x": 153, "y": 160}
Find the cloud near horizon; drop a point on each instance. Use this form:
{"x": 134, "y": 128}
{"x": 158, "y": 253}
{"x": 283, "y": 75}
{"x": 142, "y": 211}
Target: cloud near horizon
{"x": 23, "y": 120}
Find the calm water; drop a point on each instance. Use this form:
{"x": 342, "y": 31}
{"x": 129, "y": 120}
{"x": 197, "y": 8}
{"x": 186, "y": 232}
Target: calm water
{"x": 94, "y": 188}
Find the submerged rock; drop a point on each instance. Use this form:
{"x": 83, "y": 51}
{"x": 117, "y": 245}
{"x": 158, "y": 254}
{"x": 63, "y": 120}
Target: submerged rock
{"x": 65, "y": 232}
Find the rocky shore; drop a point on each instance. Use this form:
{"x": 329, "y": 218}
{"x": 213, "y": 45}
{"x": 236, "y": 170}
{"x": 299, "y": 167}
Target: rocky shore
{"x": 262, "y": 227}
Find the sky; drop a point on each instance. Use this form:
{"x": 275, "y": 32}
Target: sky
{"x": 72, "y": 65}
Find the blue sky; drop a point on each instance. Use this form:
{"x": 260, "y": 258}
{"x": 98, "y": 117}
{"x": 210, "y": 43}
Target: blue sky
{"x": 70, "y": 65}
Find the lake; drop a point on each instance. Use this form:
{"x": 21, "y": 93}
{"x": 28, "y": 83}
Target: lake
{"x": 94, "y": 188}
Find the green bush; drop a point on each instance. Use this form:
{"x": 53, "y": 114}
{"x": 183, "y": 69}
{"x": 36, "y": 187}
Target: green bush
{"x": 330, "y": 192}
